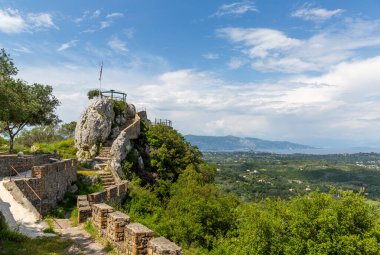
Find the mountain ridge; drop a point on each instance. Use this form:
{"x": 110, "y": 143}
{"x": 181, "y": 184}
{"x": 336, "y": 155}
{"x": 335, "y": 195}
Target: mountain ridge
{"x": 234, "y": 143}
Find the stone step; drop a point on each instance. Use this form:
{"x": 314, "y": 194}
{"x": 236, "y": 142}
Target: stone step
{"x": 100, "y": 166}
{"x": 104, "y": 159}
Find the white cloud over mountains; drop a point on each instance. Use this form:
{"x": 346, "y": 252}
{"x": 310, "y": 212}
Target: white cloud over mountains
{"x": 273, "y": 50}
{"x": 342, "y": 103}
{"x": 13, "y": 21}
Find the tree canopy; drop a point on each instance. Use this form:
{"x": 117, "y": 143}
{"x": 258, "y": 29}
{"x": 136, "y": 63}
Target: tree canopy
{"x": 23, "y": 104}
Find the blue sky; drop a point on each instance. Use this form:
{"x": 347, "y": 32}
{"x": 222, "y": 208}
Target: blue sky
{"x": 305, "y": 71}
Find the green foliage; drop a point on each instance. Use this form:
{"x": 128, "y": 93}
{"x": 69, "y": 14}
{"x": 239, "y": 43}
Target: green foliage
{"x": 119, "y": 107}
{"x": 198, "y": 213}
{"x": 46, "y": 134}
{"x": 314, "y": 224}
{"x": 23, "y": 104}
{"x": 74, "y": 217}
{"x": 93, "y": 93}
{"x": 65, "y": 148}
{"x": 170, "y": 153}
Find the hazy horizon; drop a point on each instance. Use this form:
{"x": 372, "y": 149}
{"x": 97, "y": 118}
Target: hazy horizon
{"x": 304, "y": 72}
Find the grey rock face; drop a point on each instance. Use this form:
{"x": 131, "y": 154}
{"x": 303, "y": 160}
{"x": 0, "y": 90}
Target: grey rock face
{"x": 119, "y": 150}
{"x": 94, "y": 128}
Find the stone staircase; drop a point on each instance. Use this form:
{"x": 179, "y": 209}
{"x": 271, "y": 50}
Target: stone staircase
{"x": 106, "y": 178}
{"x": 105, "y": 175}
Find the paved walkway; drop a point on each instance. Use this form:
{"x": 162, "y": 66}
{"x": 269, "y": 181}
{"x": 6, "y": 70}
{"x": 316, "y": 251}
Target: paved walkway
{"x": 81, "y": 238}
{"x": 17, "y": 215}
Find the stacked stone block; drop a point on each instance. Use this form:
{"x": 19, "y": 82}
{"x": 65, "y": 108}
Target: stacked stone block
{"x": 162, "y": 246}
{"x": 84, "y": 208}
{"x": 136, "y": 238}
{"x": 100, "y": 214}
{"x": 111, "y": 192}
{"x": 116, "y": 226}
{"x": 97, "y": 197}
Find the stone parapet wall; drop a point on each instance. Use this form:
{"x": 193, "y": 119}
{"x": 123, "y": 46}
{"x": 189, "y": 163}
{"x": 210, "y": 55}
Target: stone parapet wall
{"x": 128, "y": 238}
{"x": 133, "y": 131}
{"x": 162, "y": 246}
{"x": 50, "y": 182}
{"x": 23, "y": 163}
{"x": 113, "y": 194}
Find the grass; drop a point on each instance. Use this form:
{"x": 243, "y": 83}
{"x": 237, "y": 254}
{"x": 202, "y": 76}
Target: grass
{"x": 14, "y": 243}
{"x": 74, "y": 217}
{"x": 50, "y": 228}
{"x": 87, "y": 172}
{"x": 91, "y": 229}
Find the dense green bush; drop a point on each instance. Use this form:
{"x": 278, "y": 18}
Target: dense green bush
{"x": 317, "y": 223}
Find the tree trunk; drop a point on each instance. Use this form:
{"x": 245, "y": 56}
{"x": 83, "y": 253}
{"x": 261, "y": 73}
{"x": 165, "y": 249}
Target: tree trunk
{"x": 11, "y": 142}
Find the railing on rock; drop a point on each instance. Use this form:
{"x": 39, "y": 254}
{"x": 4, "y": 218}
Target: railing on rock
{"x": 114, "y": 95}
{"x": 164, "y": 122}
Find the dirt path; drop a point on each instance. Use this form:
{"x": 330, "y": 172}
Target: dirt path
{"x": 81, "y": 238}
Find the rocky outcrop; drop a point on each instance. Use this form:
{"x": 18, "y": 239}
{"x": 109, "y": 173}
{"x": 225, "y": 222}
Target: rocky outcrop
{"x": 101, "y": 123}
{"x": 94, "y": 128}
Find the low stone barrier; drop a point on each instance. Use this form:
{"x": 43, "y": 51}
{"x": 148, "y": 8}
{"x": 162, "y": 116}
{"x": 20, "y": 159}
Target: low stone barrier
{"x": 113, "y": 194}
{"x": 100, "y": 214}
{"x": 116, "y": 226}
{"x": 162, "y": 246}
{"x": 23, "y": 163}
{"x": 50, "y": 182}
{"x": 137, "y": 237}
{"x": 129, "y": 238}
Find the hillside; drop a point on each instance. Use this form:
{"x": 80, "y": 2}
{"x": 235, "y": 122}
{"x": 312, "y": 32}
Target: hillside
{"x": 233, "y": 143}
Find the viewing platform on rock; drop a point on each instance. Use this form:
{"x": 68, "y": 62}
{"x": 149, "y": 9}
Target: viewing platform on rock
{"x": 164, "y": 122}
{"x": 116, "y": 95}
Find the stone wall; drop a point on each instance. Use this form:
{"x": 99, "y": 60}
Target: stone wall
{"x": 113, "y": 194}
{"x": 129, "y": 238}
{"x": 50, "y": 182}
{"x": 23, "y": 163}
{"x": 133, "y": 130}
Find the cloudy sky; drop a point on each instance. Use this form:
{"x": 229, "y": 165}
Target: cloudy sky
{"x": 307, "y": 72}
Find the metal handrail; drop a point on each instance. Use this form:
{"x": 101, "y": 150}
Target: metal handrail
{"x": 35, "y": 193}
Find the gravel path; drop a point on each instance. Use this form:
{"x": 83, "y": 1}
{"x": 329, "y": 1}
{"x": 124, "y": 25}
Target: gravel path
{"x": 81, "y": 238}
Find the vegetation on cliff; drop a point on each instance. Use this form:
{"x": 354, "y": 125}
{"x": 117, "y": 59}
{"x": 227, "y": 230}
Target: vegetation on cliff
{"x": 185, "y": 205}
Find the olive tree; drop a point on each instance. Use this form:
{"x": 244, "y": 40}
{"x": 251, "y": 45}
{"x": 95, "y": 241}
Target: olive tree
{"x": 23, "y": 104}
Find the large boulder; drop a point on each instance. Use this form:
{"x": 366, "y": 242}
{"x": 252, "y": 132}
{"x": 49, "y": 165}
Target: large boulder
{"x": 119, "y": 150}
{"x": 94, "y": 127}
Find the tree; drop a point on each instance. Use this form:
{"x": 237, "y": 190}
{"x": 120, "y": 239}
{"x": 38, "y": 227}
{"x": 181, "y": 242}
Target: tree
{"x": 67, "y": 130}
{"x": 22, "y": 104}
{"x": 93, "y": 93}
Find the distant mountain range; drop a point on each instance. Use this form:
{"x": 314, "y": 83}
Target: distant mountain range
{"x": 233, "y": 143}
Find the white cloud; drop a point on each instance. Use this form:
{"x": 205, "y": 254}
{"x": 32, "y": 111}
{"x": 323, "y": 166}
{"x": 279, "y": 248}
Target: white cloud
{"x": 22, "y": 49}
{"x": 343, "y": 103}
{"x": 117, "y": 45}
{"x": 235, "y": 63}
{"x": 211, "y": 56}
{"x": 105, "y": 24}
{"x": 96, "y": 14}
{"x": 315, "y": 14}
{"x": 67, "y": 45}
{"x": 114, "y": 15}
{"x": 11, "y": 21}
{"x": 236, "y": 8}
{"x": 273, "y": 50}
{"x": 40, "y": 20}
